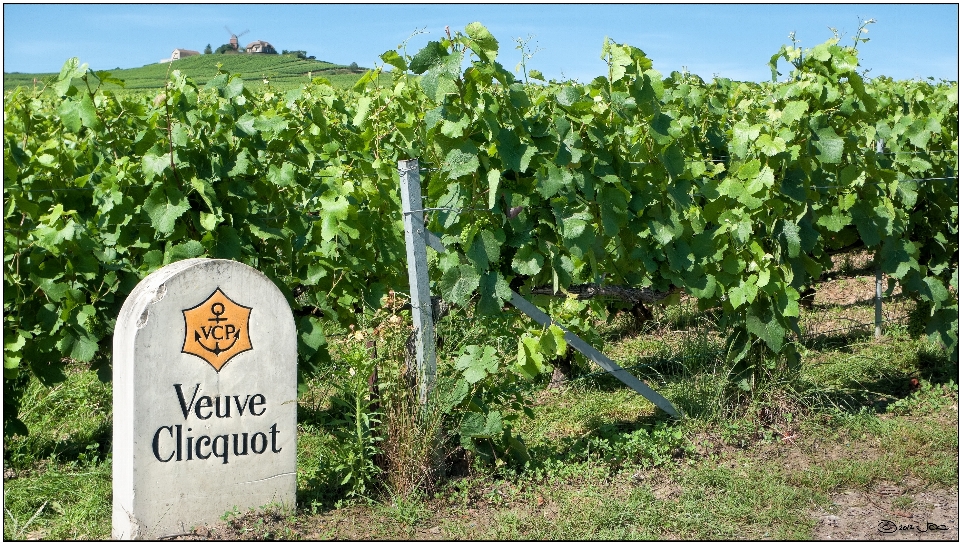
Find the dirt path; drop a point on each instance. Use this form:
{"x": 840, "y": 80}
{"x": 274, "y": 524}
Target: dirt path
{"x": 888, "y": 511}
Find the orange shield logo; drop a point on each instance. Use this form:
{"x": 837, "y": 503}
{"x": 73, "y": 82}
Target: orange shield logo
{"x": 217, "y": 329}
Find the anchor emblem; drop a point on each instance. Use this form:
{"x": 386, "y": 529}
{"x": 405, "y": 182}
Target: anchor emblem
{"x": 217, "y": 329}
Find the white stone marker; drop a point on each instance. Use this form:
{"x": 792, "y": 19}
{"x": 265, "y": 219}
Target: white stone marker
{"x": 204, "y": 398}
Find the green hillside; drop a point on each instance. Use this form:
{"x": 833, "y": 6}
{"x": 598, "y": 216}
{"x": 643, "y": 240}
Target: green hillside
{"x": 278, "y": 70}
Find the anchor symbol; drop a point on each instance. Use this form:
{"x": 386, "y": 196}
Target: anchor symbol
{"x": 217, "y": 329}
{"x": 216, "y": 309}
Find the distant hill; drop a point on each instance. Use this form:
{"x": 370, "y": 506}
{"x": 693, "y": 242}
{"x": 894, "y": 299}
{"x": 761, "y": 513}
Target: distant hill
{"x": 280, "y": 70}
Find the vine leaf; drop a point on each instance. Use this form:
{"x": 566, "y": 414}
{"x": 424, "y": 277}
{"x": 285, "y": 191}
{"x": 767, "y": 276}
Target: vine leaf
{"x": 164, "y": 206}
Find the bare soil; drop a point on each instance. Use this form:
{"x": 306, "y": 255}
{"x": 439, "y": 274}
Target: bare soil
{"x": 903, "y": 510}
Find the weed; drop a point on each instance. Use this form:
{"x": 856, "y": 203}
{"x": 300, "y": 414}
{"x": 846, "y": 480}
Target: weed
{"x": 644, "y": 447}
{"x": 230, "y": 514}
{"x": 354, "y": 463}
{"x": 13, "y": 530}
{"x": 77, "y": 502}
{"x": 927, "y": 399}
{"x": 407, "y": 509}
{"x": 902, "y": 502}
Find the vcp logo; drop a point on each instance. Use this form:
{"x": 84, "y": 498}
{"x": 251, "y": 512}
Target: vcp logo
{"x": 217, "y": 329}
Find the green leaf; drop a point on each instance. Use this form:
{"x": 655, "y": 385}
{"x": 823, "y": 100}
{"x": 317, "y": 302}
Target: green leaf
{"x": 771, "y": 146}
{"x": 437, "y": 86}
{"x": 494, "y": 292}
{"x": 493, "y": 182}
{"x": 47, "y": 160}
{"x": 485, "y": 248}
{"x": 209, "y": 221}
{"x": 455, "y": 397}
{"x": 154, "y": 165}
{"x": 427, "y": 57}
{"x": 788, "y": 301}
{"x": 835, "y": 222}
{"x": 829, "y": 144}
{"x": 568, "y": 95}
{"x": 244, "y": 164}
{"x": 459, "y": 163}
{"x": 552, "y": 341}
{"x": 459, "y": 283}
{"x": 84, "y": 348}
{"x": 69, "y": 112}
{"x": 472, "y": 425}
{"x": 245, "y": 124}
{"x": 182, "y": 251}
{"x": 164, "y": 206}
{"x": 310, "y": 337}
{"x": 454, "y": 129}
{"x": 270, "y": 123}
{"x": 494, "y": 424}
{"x": 766, "y": 327}
{"x": 283, "y": 176}
{"x": 529, "y": 359}
{"x": 821, "y": 52}
{"x": 791, "y": 233}
{"x": 618, "y": 57}
{"x": 208, "y": 194}
{"x": 394, "y": 59}
{"x": 705, "y": 287}
{"x": 363, "y": 109}
{"x": 793, "y": 111}
{"x": 673, "y": 160}
{"x": 743, "y": 134}
{"x": 225, "y": 243}
{"x": 555, "y": 179}
{"x": 88, "y": 114}
{"x": 743, "y": 293}
{"x": 872, "y": 224}
{"x": 514, "y": 154}
{"x": 485, "y": 45}
{"x": 476, "y": 362}
{"x": 895, "y": 260}
{"x": 528, "y": 261}
{"x": 70, "y": 70}
{"x": 613, "y": 208}
{"x": 937, "y": 292}
{"x": 660, "y": 128}
{"x": 234, "y": 87}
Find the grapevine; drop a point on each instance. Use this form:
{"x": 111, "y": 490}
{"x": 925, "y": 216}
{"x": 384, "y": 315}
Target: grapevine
{"x": 737, "y": 193}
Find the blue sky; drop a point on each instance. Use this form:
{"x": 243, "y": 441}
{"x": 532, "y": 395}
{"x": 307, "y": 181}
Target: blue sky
{"x": 735, "y": 41}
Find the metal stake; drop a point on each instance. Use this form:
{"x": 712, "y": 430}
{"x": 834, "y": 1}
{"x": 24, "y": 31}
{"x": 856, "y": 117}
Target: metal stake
{"x": 878, "y": 305}
{"x": 878, "y": 302}
{"x": 415, "y": 233}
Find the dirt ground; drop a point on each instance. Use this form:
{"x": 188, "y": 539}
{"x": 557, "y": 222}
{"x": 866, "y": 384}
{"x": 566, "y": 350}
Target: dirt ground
{"x": 919, "y": 514}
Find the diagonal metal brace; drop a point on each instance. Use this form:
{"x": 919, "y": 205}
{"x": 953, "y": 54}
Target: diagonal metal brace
{"x": 534, "y": 312}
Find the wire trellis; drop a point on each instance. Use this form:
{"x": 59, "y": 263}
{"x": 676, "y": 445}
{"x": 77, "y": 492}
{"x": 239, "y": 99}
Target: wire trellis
{"x": 683, "y": 338}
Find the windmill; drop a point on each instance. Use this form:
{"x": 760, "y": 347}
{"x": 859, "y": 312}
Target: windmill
{"x": 233, "y": 38}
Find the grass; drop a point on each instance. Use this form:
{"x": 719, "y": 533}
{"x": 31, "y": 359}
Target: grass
{"x": 604, "y": 464}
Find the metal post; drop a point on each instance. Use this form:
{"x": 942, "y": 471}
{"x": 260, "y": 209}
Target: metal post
{"x": 415, "y": 233}
{"x": 878, "y": 302}
{"x": 878, "y": 305}
{"x": 574, "y": 341}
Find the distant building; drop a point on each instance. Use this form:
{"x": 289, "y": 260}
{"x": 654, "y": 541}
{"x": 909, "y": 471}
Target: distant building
{"x": 261, "y": 46}
{"x": 180, "y": 53}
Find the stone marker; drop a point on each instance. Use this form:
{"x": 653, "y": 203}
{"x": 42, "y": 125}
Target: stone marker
{"x": 204, "y": 398}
